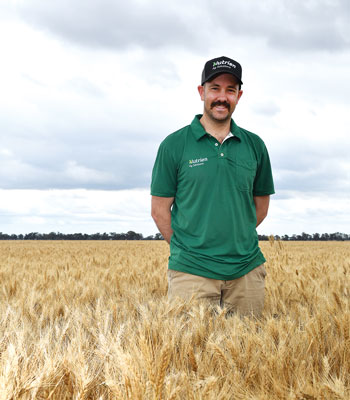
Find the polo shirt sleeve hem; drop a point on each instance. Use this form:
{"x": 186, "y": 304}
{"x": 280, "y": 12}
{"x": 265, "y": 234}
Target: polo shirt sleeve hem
{"x": 162, "y": 194}
{"x": 263, "y": 193}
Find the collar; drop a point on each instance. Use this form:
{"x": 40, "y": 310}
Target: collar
{"x": 199, "y": 131}
{"x": 230, "y": 134}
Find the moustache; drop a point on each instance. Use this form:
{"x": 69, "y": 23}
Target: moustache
{"x": 220, "y": 103}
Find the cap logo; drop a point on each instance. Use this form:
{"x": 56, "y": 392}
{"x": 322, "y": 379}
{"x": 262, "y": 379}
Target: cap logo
{"x": 223, "y": 63}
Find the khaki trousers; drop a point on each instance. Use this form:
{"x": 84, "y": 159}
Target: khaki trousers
{"x": 244, "y": 296}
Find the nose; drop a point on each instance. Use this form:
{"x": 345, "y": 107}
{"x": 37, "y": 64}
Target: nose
{"x": 222, "y": 95}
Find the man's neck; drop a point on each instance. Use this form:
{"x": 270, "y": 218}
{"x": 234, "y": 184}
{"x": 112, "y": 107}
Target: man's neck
{"x": 217, "y": 129}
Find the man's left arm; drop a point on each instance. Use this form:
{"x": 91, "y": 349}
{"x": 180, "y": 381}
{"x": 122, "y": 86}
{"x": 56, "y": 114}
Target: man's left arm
{"x": 261, "y": 208}
{"x": 263, "y": 184}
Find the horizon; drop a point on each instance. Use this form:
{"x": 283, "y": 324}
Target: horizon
{"x": 158, "y": 235}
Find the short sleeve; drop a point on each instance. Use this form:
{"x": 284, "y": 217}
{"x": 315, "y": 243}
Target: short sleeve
{"x": 263, "y": 183}
{"x": 164, "y": 174}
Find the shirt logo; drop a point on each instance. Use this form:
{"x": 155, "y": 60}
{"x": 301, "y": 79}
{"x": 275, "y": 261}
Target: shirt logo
{"x": 197, "y": 162}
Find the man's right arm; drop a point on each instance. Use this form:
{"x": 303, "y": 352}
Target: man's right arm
{"x": 161, "y": 213}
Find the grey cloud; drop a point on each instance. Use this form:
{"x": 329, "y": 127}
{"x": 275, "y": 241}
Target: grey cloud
{"x": 166, "y": 74}
{"x": 104, "y": 165}
{"x": 84, "y": 138}
{"x": 111, "y": 24}
{"x": 76, "y": 142}
{"x": 311, "y": 38}
{"x": 303, "y": 169}
{"x": 75, "y": 210}
{"x": 268, "y": 108}
{"x": 84, "y": 87}
{"x": 307, "y": 181}
{"x": 289, "y": 25}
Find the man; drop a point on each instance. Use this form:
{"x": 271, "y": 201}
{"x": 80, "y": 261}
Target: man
{"x": 211, "y": 185}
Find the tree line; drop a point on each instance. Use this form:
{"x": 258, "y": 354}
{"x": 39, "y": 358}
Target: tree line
{"x": 131, "y": 235}
{"x": 338, "y": 236}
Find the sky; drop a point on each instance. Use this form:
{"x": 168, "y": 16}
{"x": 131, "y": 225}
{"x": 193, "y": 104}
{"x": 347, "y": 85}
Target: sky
{"x": 90, "y": 88}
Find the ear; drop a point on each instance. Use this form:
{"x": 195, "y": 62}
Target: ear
{"x": 201, "y": 91}
{"x": 239, "y": 95}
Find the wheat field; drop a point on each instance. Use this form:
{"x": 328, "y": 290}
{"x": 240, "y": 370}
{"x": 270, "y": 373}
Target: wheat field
{"x": 90, "y": 320}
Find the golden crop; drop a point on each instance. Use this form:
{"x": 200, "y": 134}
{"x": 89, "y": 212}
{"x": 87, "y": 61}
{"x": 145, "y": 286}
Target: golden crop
{"x": 90, "y": 320}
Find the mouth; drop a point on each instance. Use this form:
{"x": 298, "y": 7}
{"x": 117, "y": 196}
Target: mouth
{"x": 220, "y": 106}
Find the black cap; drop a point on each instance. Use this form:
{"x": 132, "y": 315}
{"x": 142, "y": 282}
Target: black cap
{"x": 221, "y": 65}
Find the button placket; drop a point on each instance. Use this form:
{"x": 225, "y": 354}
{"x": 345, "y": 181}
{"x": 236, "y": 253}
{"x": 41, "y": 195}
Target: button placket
{"x": 221, "y": 154}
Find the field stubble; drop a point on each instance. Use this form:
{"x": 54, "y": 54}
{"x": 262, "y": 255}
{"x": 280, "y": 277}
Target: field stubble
{"x": 90, "y": 320}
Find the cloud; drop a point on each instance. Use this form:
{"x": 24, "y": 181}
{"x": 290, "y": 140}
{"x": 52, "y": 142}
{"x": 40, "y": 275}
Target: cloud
{"x": 288, "y": 25}
{"x": 296, "y": 212}
{"x": 92, "y": 116}
{"x": 285, "y": 25}
{"x": 89, "y": 211}
{"x": 329, "y": 176}
{"x": 102, "y": 168}
{"x": 267, "y": 108}
{"x": 84, "y": 87}
{"x": 111, "y": 24}
{"x": 83, "y": 175}
{"x": 72, "y": 211}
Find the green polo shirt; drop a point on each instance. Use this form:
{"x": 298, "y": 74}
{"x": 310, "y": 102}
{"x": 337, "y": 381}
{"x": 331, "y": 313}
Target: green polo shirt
{"x": 213, "y": 216}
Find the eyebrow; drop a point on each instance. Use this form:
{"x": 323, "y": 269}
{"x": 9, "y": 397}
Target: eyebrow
{"x": 217, "y": 85}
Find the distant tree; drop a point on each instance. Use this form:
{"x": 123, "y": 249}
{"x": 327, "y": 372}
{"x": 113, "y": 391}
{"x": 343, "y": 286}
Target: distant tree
{"x": 150, "y": 237}
{"x": 105, "y": 236}
{"x": 32, "y": 236}
{"x": 305, "y": 236}
{"x": 131, "y": 235}
{"x": 263, "y": 237}
{"x": 325, "y": 236}
{"x": 95, "y": 236}
{"x": 51, "y": 236}
{"x": 316, "y": 236}
{"x": 344, "y": 236}
{"x": 158, "y": 236}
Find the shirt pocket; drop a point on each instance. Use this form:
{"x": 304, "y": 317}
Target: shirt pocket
{"x": 245, "y": 171}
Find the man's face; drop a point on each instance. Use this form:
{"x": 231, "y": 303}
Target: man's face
{"x": 220, "y": 97}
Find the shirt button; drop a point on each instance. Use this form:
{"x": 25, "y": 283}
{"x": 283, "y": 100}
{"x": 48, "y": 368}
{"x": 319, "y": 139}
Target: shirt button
{"x": 222, "y": 154}
{"x": 216, "y": 144}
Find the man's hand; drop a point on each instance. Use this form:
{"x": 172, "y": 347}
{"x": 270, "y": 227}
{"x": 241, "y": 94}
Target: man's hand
{"x": 161, "y": 213}
{"x": 261, "y": 208}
